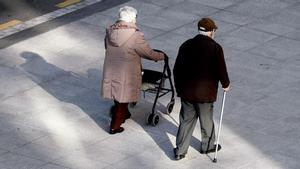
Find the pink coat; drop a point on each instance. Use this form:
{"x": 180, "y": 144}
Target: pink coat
{"x": 122, "y": 77}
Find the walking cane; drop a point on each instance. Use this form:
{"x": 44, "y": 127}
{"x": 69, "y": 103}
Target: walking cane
{"x": 219, "y": 128}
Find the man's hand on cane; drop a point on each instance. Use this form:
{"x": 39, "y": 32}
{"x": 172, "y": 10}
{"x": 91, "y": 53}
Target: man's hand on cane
{"x": 227, "y": 88}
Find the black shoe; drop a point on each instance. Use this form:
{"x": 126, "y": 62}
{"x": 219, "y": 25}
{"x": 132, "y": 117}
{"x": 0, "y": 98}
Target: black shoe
{"x": 177, "y": 157}
{"x": 114, "y": 131}
{"x": 211, "y": 150}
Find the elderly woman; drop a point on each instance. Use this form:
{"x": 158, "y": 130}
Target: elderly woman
{"x": 125, "y": 46}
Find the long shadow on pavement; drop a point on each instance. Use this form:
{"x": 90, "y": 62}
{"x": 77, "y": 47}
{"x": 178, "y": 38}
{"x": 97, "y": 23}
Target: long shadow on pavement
{"x": 67, "y": 86}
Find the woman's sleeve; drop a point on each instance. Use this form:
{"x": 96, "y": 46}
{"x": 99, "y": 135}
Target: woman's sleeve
{"x": 144, "y": 50}
{"x": 105, "y": 39}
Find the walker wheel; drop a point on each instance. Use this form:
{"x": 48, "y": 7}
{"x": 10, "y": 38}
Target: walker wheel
{"x": 170, "y": 106}
{"x": 153, "y": 119}
{"x": 149, "y": 118}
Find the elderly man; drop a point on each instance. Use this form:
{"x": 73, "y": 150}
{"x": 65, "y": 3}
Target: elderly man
{"x": 125, "y": 46}
{"x": 198, "y": 68}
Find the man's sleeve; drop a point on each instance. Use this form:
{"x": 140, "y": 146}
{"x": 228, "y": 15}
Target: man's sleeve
{"x": 177, "y": 70}
{"x": 221, "y": 67}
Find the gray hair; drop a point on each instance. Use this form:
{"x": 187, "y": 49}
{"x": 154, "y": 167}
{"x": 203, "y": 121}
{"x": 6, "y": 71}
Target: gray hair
{"x": 207, "y": 33}
{"x": 127, "y": 14}
{"x": 203, "y": 33}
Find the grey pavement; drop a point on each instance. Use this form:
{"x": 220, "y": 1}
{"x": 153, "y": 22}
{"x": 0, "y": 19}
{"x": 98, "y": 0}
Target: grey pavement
{"x": 52, "y": 115}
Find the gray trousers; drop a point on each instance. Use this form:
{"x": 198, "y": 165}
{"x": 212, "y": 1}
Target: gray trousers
{"x": 189, "y": 114}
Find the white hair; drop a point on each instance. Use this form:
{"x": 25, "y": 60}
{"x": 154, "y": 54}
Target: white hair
{"x": 127, "y": 14}
{"x": 207, "y": 33}
{"x": 203, "y": 33}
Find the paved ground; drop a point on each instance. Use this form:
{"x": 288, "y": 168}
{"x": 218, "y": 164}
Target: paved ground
{"x": 51, "y": 115}
{"x": 24, "y": 10}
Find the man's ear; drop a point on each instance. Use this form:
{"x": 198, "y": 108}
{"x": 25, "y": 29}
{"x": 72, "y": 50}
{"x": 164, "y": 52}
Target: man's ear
{"x": 210, "y": 34}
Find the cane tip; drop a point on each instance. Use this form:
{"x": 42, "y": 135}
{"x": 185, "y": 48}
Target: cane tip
{"x": 215, "y": 160}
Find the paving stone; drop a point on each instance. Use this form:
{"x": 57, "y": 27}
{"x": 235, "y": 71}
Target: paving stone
{"x": 237, "y": 43}
{"x": 284, "y": 160}
{"x": 99, "y": 20}
{"x": 224, "y": 28}
{"x": 251, "y": 35}
{"x": 82, "y": 30}
{"x": 78, "y": 161}
{"x": 292, "y": 64}
{"x": 102, "y": 154}
{"x": 194, "y": 8}
{"x": 285, "y": 155}
{"x": 52, "y": 166}
{"x": 38, "y": 69}
{"x": 285, "y": 43}
{"x": 14, "y": 58}
{"x": 279, "y": 48}
{"x": 10, "y": 160}
{"x": 271, "y": 27}
{"x": 39, "y": 152}
{"x": 216, "y": 3}
{"x": 258, "y": 8}
{"x": 61, "y": 144}
{"x": 176, "y": 15}
{"x": 166, "y": 3}
{"x": 54, "y": 40}
{"x": 233, "y": 18}
{"x": 188, "y": 30}
{"x": 292, "y": 13}
{"x": 144, "y": 9}
{"x": 68, "y": 59}
{"x": 3, "y": 152}
{"x": 160, "y": 23}
{"x": 244, "y": 149}
{"x": 173, "y": 44}
{"x": 150, "y": 32}
{"x": 19, "y": 137}
{"x": 293, "y": 35}
{"x": 9, "y": 86}
{"x": 142, "y": 160}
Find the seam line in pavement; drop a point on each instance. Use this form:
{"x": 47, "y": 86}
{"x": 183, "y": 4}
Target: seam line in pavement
{"x": 45, "y": 18}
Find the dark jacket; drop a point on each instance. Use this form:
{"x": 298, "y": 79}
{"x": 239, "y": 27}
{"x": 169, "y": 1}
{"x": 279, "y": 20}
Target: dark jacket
{"x": 199, "y": 67}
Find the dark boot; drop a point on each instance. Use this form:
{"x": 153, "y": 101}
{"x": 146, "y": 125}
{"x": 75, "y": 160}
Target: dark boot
{"x": 125, "y": 116}
{"x": 117, "y": 119}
